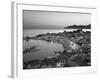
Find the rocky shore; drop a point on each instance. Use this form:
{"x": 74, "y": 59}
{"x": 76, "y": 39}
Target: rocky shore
{"x": 77, "y": 50}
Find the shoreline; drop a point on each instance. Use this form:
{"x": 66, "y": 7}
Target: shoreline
{"x": 71, "y": 42}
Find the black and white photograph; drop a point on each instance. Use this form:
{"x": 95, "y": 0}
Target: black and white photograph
{"x": 54, "y": 39}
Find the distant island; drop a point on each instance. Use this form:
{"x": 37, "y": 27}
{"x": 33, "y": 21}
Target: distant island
{"x": 78, "y": 27}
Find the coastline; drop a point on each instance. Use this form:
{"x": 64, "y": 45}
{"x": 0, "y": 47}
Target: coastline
{"x": 73, "y": 43}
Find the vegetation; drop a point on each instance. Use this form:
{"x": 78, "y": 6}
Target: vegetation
{"x": 79, "y": 27}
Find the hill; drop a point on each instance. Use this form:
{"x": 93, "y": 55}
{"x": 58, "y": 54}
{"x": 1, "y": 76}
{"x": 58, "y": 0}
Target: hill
{"x": 78, "y": 27}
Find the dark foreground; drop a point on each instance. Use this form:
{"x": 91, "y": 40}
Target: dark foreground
{"x": 77, "y": 50}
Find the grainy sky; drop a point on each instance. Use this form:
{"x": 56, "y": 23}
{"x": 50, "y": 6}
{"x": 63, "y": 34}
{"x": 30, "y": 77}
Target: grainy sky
{"x": 53, "y": 20}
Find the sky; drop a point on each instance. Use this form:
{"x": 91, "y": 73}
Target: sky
{"x": 53, "y": 20}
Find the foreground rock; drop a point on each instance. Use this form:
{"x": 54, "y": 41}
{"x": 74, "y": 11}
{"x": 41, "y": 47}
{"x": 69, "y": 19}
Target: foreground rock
{"x": 77, "y": 49}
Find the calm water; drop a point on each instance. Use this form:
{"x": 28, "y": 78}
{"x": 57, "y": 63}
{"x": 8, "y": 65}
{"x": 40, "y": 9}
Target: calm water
{"x": 46, "y": 49}
{"x": 34, "y": 32}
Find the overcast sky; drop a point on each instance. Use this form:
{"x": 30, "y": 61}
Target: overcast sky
{"x": 53, "y": 20}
